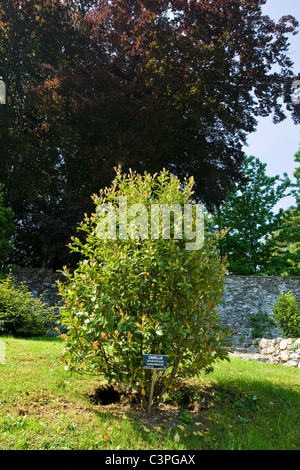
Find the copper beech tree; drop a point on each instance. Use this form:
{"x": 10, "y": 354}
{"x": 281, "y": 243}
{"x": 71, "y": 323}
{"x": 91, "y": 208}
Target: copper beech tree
{"x": 147, "y": 84}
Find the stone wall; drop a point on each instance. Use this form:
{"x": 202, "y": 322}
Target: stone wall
{"x": 243, "y": 296}
{"x": 248, "y": 295}
{"x": 39, "y": 281}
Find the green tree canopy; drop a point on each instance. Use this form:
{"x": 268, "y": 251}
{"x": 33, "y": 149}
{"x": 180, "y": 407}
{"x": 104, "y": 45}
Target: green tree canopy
{"x": 284, "y": 244}
{"x": 249, "y": 212}
{"x": 297, "y": 176}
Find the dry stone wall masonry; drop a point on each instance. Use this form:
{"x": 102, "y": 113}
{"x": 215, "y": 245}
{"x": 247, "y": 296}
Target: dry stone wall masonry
{"x": 40, "y": 281}
{"x": 243, "y": 296}
{"x": 284, "y": 351}
{"x": 281, "y": 351}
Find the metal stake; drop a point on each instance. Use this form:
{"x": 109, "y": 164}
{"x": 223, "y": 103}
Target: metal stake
{"x": 151, "y": 392}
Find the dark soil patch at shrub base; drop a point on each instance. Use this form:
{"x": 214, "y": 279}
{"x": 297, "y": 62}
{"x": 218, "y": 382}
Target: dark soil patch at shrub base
{"x": 105, "y": 396}
{"x": 184, "y": 406}
{"x": 110, "y": 395}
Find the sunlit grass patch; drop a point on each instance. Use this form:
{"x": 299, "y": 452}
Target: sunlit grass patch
{"x": 241, "y": 405}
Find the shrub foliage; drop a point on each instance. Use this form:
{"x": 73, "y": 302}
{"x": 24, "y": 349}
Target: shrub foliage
{"x": 286, "y": 313}
{"x": 134, "y": 296}
{"x": 21, "y": 314}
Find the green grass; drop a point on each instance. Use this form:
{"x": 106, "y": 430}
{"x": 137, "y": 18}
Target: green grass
{"x": 241, "y": 405}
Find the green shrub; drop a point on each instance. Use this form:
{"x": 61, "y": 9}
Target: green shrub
{"x": 133, "y": 296}
{"x": 21, "y": 314}
{"x": 261, "y": 324}
{"x": 286, "y": 313}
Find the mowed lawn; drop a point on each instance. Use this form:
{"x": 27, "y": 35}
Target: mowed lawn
{"x": 242, "y": 405}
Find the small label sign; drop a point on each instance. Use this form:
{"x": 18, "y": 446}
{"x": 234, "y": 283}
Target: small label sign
{"x": 155, "y": 361}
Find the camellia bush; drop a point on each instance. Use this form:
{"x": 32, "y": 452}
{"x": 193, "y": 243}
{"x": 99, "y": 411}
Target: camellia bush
{"x": 133, "y": 294}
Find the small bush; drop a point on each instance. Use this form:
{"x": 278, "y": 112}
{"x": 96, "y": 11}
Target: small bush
{"x": 286, "y": 313}
{"x": 21, "y": 314}
{"x": 261, "y": 324}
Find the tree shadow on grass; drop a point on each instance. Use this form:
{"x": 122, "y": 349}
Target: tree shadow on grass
{"x": 248, "y": 415}
{"x": 222, "y": 415}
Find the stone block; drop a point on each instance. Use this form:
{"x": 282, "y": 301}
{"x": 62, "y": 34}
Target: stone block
{"x": 284, "y": 356}
{"x": 291, "y": 363}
